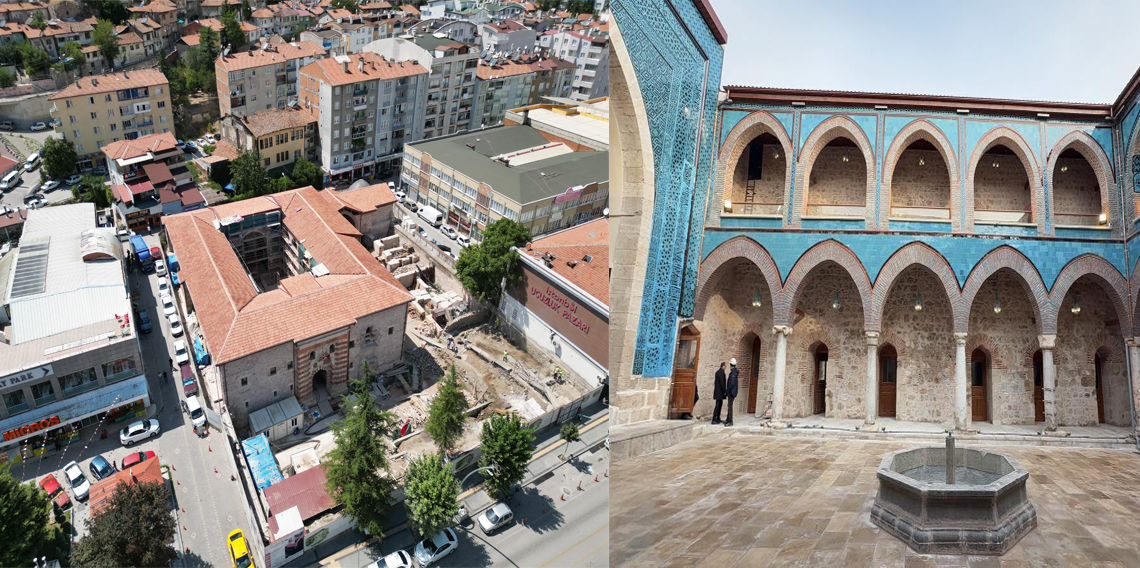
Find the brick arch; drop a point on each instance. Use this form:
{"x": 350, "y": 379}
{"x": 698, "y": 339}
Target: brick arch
{"x": 835, "y": 127}
{"x": 976, "y": 340}
{"x": 895, "y": 340}
{"x": 750, "y": 127}
{"x": 1011, "y": 139}
{"x": 734, "y": 249}
{"x": 1111, "y": 281}
{"x": 829, "y": 250}
{"x": 921, "y": 129}
{"x": 744, "y": 362}
{"x": 908, "y": 255}
{"x": 1027, "y": 357}
{"x": 1003, "y": 257}
{"x": 1088, "y": 148}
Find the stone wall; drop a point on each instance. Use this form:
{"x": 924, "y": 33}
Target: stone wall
{"x": 269, "y": 377}
{"x": 835, "y": 182}
{"x": 927, "y": 185}
{"x": 924, "y": 343}
{"x": 1004, "y": 188}
{"x": 1010, "y": 339}
{"x": 1080, "y": 337}
{"x": 1076, "y": 189}
{"x": 770, "y": 186}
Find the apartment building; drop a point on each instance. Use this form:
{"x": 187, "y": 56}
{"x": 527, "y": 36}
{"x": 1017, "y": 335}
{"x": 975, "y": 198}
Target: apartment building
{"x": 506, "y": 36}
{"x": 515, "y": 172}
{"x": 369, "y": 107}
{"x": 162, "y": 14}
{"x": 252, "y": 32}
{"x": 457, "y": 30}
{"x": 263, "y": 78}
{"x": 95, "y": 111}
{"x": 451, "y": 84}
{"x": 57, "y": 33}
{"x": 279, "y": 19}
{"x": 510, "y": 82}
{"x": 149, "y": 178}
{"x": 281, "y": 136}
{"x": 589, "y": 51}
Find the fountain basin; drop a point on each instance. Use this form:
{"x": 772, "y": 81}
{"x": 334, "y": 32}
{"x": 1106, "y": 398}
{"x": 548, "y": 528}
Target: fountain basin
{"x": 986, "y": 512}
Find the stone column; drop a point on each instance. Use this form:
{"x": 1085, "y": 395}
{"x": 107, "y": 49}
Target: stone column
{"x": 961, "y": 412}
{"x": 781, "y": 332}
{"x": 1049, "y": 373}
{"x": 1134, "y": 360}
{"x": 872, "y": 402}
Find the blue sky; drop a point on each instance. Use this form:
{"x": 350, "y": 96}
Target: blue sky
{"x": 1040, "y": 50}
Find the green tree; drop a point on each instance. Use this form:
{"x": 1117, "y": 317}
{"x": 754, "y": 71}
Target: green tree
{"x": 232, "y": 30}
{"x": 447, "y": 416}
{"x": 135, "y": 529}
{"x": 38, "y": 21}
{"x": 432, "y": 494}
{"x": 569, "y": 433}
{"x": 11, "y": 54}
{"x": 482, "y": 267}
{"x": 24, "y": 529}
{"x": 209, "y": 46}
{"x": 307, "y": 173}
{"x": 547, "y": 5}
{"x": 91, "y": 189}
{"x": 357, "y": 470}
{"x": 115, "y": 11}
{"x": 248, "y": 175}
{"x": 59, "y": 157}
{"x": 506, "y": 444}
{"x": 73, "y": 50}
{"x": 107, "y": 41}
{"x": 7, "y": 78}
{"x": 36, "y": 61}
{"x": 295, "y": 35}
{"x": 349, "y": 5}
{"x": 246, "y": 11}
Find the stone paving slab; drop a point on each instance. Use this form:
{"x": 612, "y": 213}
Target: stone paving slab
{"x": 770, "y": 501}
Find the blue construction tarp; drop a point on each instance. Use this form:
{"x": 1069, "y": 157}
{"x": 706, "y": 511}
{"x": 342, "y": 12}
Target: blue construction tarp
{"x": 261, "y": 462}
{"x": 200, "y": 354}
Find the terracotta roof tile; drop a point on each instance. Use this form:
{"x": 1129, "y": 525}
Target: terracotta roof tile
{"x": 152, "y": 143}
{"x": 590, "y": 238}
{"x": 410, "y": 9}
{"x": 365, "y": 199}
{"x": 112, "y": 82}
{"x": 262, "y": 13}
{"x": 331, "y": 70}
{"x": 149, "y": 471}
{"x": 225, "y": 150}
{"x": 511, "y": 68}
{"x": 276, "y": 54}
{"x": 268, "y": 121}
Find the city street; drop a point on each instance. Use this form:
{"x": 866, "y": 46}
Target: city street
{"x": 430, "y": 232}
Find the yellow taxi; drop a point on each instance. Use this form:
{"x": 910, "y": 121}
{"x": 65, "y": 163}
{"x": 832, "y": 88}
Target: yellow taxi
{"x": 238, "y": 551}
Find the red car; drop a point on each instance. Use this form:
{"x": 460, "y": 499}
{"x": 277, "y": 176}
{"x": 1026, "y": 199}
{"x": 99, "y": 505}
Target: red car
{"x": 55, "y": 492}
{"x": 135, "y": 459}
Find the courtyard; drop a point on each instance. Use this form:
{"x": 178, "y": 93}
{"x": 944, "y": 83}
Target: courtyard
{"x": 744, "y": 500}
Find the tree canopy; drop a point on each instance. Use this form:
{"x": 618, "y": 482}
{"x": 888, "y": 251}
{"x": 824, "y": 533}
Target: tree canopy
{"x": 59, "y": 157}
{"x": 232, "y": 30}
{"x": 36, "y": 61}
{"x": 24, "y": 529}
{"x": 569, "y": 433}
{"x": 92, "y": 190}
{"x": 447, "y": 416}
{"x": 7, "y": 78}
{"x": 135, "y": 529}
{"x": 73, "y": 50}
{"x": 246, "y": 11}
{"x": 357, "y": 470}
{"x": 432, "y": 494}
{"x": 113, "y": 10}
{"x": 106, "y": 40}
{"x": 483, "y": 266}
{"x": 307, "y": 173}
{"x": 350, "y": 5}
{"x": 248, "y": 174}
{"x": 506, "y": 444}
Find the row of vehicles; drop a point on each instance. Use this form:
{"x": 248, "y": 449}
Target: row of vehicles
{"x": 100, "y": 468}
{"x": 431, "y": 550}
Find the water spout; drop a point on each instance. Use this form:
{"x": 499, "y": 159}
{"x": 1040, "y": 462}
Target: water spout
{"x": 950, "y": 458}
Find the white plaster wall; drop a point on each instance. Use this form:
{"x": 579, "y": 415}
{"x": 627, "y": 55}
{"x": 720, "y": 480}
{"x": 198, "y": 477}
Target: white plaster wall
{"x": 538, "y": 334}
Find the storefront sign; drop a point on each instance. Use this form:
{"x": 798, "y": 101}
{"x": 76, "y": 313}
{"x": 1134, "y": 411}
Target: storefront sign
{"x": 571, "y": 193}
{"x": 29, "y": 375}
{"x": 138, "y": 214}
{"x": 561, "y": 304}
{"x": 33, "y": 427}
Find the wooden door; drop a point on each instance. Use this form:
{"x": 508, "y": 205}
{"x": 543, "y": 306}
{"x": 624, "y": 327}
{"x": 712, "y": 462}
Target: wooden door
{"x": 978, "y": 381}
{"x": 888, "y": 373}
{"x": 753, "y": 375}
{"x": 820, "y": 381}
{"x": 1098, "y": 366}
{"x": 1038, "y": 388}
{"x": 685, "y": 371}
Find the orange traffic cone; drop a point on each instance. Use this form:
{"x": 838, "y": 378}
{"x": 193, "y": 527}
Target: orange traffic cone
{"x": 172, "y": 468}
{"x": 176, "y": 482}
{"x": 595, "y": 479}
{"x": 184, "y": 527}
{"x": 209, "y": 449}
{"x": 215, "y": 470}
{"x": 562, "y": 497}
{"x": 579, "y": 485}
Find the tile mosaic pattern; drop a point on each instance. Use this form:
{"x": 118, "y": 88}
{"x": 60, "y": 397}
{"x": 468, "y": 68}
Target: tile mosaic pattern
{"x": 761, "y": 501}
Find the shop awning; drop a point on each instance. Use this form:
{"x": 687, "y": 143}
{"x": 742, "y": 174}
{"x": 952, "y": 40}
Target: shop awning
{"x": 79, "y": 407}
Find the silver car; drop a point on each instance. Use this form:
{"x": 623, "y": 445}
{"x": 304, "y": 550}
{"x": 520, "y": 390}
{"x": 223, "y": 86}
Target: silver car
{"x": 398, "y": 559}
{"x": 495, "y": 518}
{"x": 432, "y": 550}
{"x": 140, "y": 430}
{"x": 168, "y": 308}
{"x": 78, "y": 481}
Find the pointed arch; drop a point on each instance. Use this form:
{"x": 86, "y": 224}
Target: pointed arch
{"x": 920, "y": 129}
{"x": 826, "y": 251}
{"x": 906, "y": 256}
{"x": 745, "y": 131}
{"x": 1009, "y": 138}
{"x": 1090, "y": 150}
{"x": 735, "y": 248}
{"x": 1102, "y": 272}
{"x": 1001, "y": 257}
{"x": 834, "y": 127}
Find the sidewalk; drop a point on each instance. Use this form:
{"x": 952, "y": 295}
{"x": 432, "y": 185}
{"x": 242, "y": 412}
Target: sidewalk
{"x": 547, "y": 445}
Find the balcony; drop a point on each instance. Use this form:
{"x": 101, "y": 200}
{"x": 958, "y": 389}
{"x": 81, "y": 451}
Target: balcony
{"x": 830, "y": 211}
{"x": 134, "y": 174}
{"x": 993, "y": 216}
{"x": 145, "y": 124}
{"x": 281, "y": 80}
{"x": 126, "y": 111}
{"x": 359, "y": 103}
{"x": 358, "y": 135}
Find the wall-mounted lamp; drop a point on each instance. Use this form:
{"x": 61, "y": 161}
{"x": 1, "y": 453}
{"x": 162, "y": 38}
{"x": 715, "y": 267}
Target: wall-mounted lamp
{"x": 845, "y": 158}
{"x": 995, "y": 164}
{"x": 918, "y": 302}
{"x": 775, "y": 155}
{"x": 728, "y": 205}
{"x": 756, "y": 301}
{"x": 1103, "y": 219}
{"x": 1076, "y": 307}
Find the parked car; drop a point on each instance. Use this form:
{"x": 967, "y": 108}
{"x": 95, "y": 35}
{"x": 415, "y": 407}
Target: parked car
{"x": 49, "y": 185}
{"x": 144, "y": 322}
{"x": 201, "y": 142}
{"x": 100, "y": 171}
{"x": 140, "y": 430}
{"x": 168, "y": 307}
{"x": 447, "y": 230}
{"x": 420, "y": 230}
{"x": 38, "y": 127}
{"x": 135, "y": 458}
{"x": 73, "y": 179}
{"x": 432, "y": 550}
{"x": 189, "y": 387}
{"x": 160, "y": 267}
{"x": 400, "y": 195}
{"x": 463, "y": 241}
{"x": 76, "y": 480}
{"x": 192, "y": 145}
{"x": 398, "y": 559}
{"x": 498, "y": 516}
{"x": 181, "y": 356}
{"x": 175, "y": 325}
{"x": 55, "y": 492}
{"x": 411, "y": 205}
{"x": 446, "y": 249}
{"x": 31, "y": 198}
{"x": 163, "y": 286}
{"x": 239, "y": 552}
{"x": 7, "y": 125}
{"x": 210, "y": 139}
{"x": 101, "y": 468}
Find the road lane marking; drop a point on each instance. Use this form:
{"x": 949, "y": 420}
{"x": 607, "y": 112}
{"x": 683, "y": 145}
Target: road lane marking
{"x": 590, "y": 552}
{"x": 576, "y": 544}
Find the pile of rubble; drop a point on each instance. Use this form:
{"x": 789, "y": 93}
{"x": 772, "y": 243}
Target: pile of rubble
{"x": 400, "y": 259}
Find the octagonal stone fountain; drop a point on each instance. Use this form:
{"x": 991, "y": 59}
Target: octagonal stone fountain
{"x": 953, "y": 501}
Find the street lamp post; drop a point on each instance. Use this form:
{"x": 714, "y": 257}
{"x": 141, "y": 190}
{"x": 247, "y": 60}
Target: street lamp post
{"x": 462, "y": 507}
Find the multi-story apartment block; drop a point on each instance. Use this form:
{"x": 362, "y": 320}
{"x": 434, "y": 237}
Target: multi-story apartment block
{"x": 164, "y": 13}
{"x": 95, "y": 111}
{"x": 506, "y": 35}
{"x": 280, "y": 136}
{"x": 516, "y": 172}
{"x": 152, "y": 34}
{"x": 451, "y": 85}
{"x": 265, "y": 78}
{"x": 252, "y": 32}
{"x": 457, "y": 30}
{"x": 369, "y": 107}
{"x": 333, "y": 42}
{"x": 280, "y": 21}
{"x": 57, "y": 33}
{"x": 589, "y": 51}
{"x": 21, "y": 11}
{"x": 519, "y": 80}
{"x": 149, "y": 178}
{"x": 506, "y": 10}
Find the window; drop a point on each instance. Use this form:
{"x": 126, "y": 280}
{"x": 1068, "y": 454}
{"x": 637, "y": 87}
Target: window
{"x": 110, "y": 113}
{"x": 289, "y": 365}
{"x": 272, "y": 371}
{"x": 94, "y": 116}
{"x": 43, "y": 393}
{"x": 118, "y": 370}
{"x": 244, "y": 381}
{"x": 69, "y": 105}
{"x": 78, "y": 381}
{"x": 312, "y": 355}
{"x": 15, "y": 401}
{"x": 75, "y": 133}
{"x": 162, "y": 118}
{"x": 267, "y": 162}
{"x": 91, "y": 101}
{"x": 73, "y": 119}
{"x": 161, "y": 104}
{"x": 390, "y": 330}
{"x": 79, "y": 148}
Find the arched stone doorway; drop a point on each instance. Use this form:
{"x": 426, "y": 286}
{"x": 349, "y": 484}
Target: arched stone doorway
{"x": 888, "y": 378}
{"x": 320, "y": 380}
{"x": 979, "y": 385}
{"x": 819, "y": 379}
{"x": 751, "y": 360}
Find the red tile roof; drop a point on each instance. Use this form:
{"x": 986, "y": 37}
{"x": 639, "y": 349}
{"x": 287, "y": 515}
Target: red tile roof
{"x": 157, "y": 173}
{"x": 362, "y": 200}
{"x": 590, "y": 238}
{"x": 506, "y": 26}
{"x": 331, "y": 70}
{"x": 141, "y": 146}
{"x": 272, "y": 56}
{"x": 111, "y": 82}
{"x": 273, "y": 120}
{"x": 149, "y": 471}
{"x": 508, "y": 68}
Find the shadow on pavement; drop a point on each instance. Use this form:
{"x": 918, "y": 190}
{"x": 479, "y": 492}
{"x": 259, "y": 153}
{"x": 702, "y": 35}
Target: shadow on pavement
{"x": 193, "y": 560}
{"x": 472, "y": 550}
{"x": 549, "y": 521}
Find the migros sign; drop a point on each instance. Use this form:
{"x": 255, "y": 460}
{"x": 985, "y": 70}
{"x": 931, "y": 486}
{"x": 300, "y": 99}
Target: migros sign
{"x": 33, "y": 427}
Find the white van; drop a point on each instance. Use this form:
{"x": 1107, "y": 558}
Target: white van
{"x": 11, "y": 180}
{"x": 33, "y": 161}
{"x": 194, "y": 409}
{"x": 431, "y": 215}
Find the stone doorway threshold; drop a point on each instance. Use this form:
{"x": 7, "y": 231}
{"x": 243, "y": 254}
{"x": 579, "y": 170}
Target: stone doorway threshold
{"x": 1101, "y": 436}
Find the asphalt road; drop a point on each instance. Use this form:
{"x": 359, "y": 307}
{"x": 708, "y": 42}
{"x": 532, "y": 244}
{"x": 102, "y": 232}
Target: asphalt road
{"x": 431, "y": 232}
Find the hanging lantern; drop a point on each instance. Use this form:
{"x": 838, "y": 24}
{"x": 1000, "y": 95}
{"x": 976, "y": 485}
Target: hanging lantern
{"x": 835, "y": 303}
{"x": 918, "y": 302}
{"x": 921, "y": 162}
{"x": 1076, "y": 307}
{"x": 756, "y": 302}
{"x": 997, "y": 304}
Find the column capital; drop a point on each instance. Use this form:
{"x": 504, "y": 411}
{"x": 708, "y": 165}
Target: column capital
{"x": 872, "y": 338}
{"x": 784, "y": 330}
{"x": 1048, "y": 341}
{"x": 960, "y": 337}
{"x": 1132, "y": 341}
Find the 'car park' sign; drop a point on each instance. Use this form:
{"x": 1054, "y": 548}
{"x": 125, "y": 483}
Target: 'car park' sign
{"x": 30, "y": 374}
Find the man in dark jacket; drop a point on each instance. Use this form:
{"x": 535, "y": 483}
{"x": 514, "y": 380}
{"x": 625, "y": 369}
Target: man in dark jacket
{"x": 718, "y": 393}
{"x": 732, "y": 389}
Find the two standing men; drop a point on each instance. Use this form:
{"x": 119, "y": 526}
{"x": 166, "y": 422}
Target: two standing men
{"x": 725, "y": 388}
